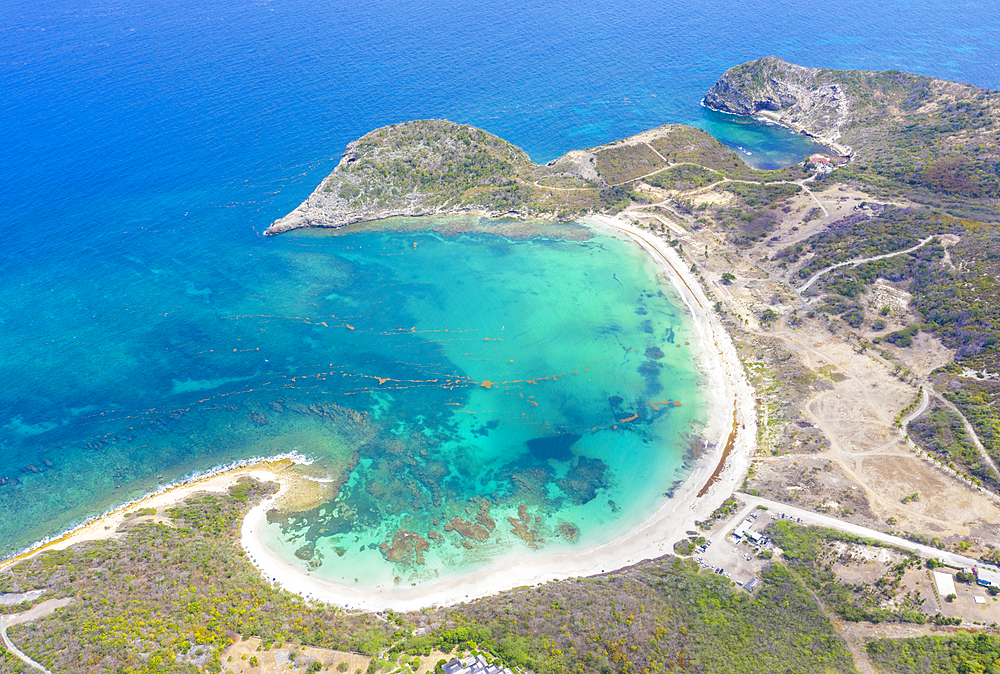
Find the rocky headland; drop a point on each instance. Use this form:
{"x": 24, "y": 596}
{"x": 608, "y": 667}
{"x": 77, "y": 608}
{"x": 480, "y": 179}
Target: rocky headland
{"x": 895, "y": 127}
{"x": 416, "y": 168}
{"x": 914, "y": 129}
{"x": 808, "y": 100}
{"x": 435, "y": 167}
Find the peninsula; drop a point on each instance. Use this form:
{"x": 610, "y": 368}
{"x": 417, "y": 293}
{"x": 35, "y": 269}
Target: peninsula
{"x": 434, "y": 167}
{"x": 855, "y": 292}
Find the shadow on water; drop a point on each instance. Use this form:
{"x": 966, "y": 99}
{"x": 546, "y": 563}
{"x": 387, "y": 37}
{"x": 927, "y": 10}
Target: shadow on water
{"x": 554, "y": 447}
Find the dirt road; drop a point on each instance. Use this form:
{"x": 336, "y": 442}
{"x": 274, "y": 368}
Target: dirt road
{"x": 818, "y": 519}
{"x": 38, "y": 611}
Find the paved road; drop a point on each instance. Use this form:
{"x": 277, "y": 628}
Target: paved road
{"x": 810, "y": 517}
{"x": 34, "y": 613}
{"x": 924, "y": 401}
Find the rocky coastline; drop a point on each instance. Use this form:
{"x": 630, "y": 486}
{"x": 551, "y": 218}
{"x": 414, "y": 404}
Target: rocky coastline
{"x": 807, "y": 100}
{"x": 419, "y": 168}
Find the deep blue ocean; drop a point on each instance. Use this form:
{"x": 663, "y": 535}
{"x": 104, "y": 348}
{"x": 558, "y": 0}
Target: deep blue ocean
{"x": 145, "y": 145}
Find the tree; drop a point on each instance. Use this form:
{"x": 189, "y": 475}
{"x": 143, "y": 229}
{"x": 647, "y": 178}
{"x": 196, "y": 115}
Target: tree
{"x": 727, "y": 279}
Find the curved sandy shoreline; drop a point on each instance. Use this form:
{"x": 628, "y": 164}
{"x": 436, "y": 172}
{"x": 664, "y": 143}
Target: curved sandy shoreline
{"x": 264, "y": 469}
{"x": 732, "y": 421}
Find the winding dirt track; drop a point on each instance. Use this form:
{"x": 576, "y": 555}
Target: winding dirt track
{"x": 861, "y": 260}
{"x": 34, "y": 613}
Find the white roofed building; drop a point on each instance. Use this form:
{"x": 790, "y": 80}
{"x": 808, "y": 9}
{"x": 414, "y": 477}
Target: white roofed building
{"x": 473, "y": 665}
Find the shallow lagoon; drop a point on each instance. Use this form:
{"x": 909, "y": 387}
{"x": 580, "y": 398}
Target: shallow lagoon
{"x": 552, "y": 401}
{"x": 432, "y": 373}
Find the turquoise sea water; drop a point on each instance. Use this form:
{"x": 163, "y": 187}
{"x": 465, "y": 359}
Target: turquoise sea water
{"x": 545, "y": 380}
{"x": 430, "y": 376}
{"x": 146, "y": 144}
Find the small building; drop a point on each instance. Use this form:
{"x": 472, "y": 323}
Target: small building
{"x": 755, "y": 537}
{"x": 743, "y": 527}
{"x": 751, "y": 585}
{"x": 472, "y": 665}
{"x": 987, "y": 578}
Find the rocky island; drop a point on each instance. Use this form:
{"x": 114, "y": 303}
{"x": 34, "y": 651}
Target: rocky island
{"x": 860, "y": 290}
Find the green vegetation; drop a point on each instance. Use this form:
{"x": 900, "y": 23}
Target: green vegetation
{"x": 161, "y": 598}
{"x": 9, "y": 663}
{"x": 752, "y": 214}
{"x": 958, "y": 653}
{"x": 758, "y": 195}
{"x": 940, "y": 432}
{"x": 684, "y": 177}
{"x": 978, "y": 402}
{"x": 161, "y": 591}
{"x": 434, "y": 166}
{"x": 913, "y": 135}
{"x": 903, "y": 338}
{"x": 811, "y": 558}
{"x": 726, "y": 510}
{"x": 687, "y": 145}
{"x": 441, "y": 160}
{"x": 903, "y": 413}
{"x": 686, "y": 546}
{"x": 868, "y": 235}
{"x": 660, "y": 616}
{"x": 623, "y": 162}
{"x": 955, "y": 300}
{"x": 937, "y": 148}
